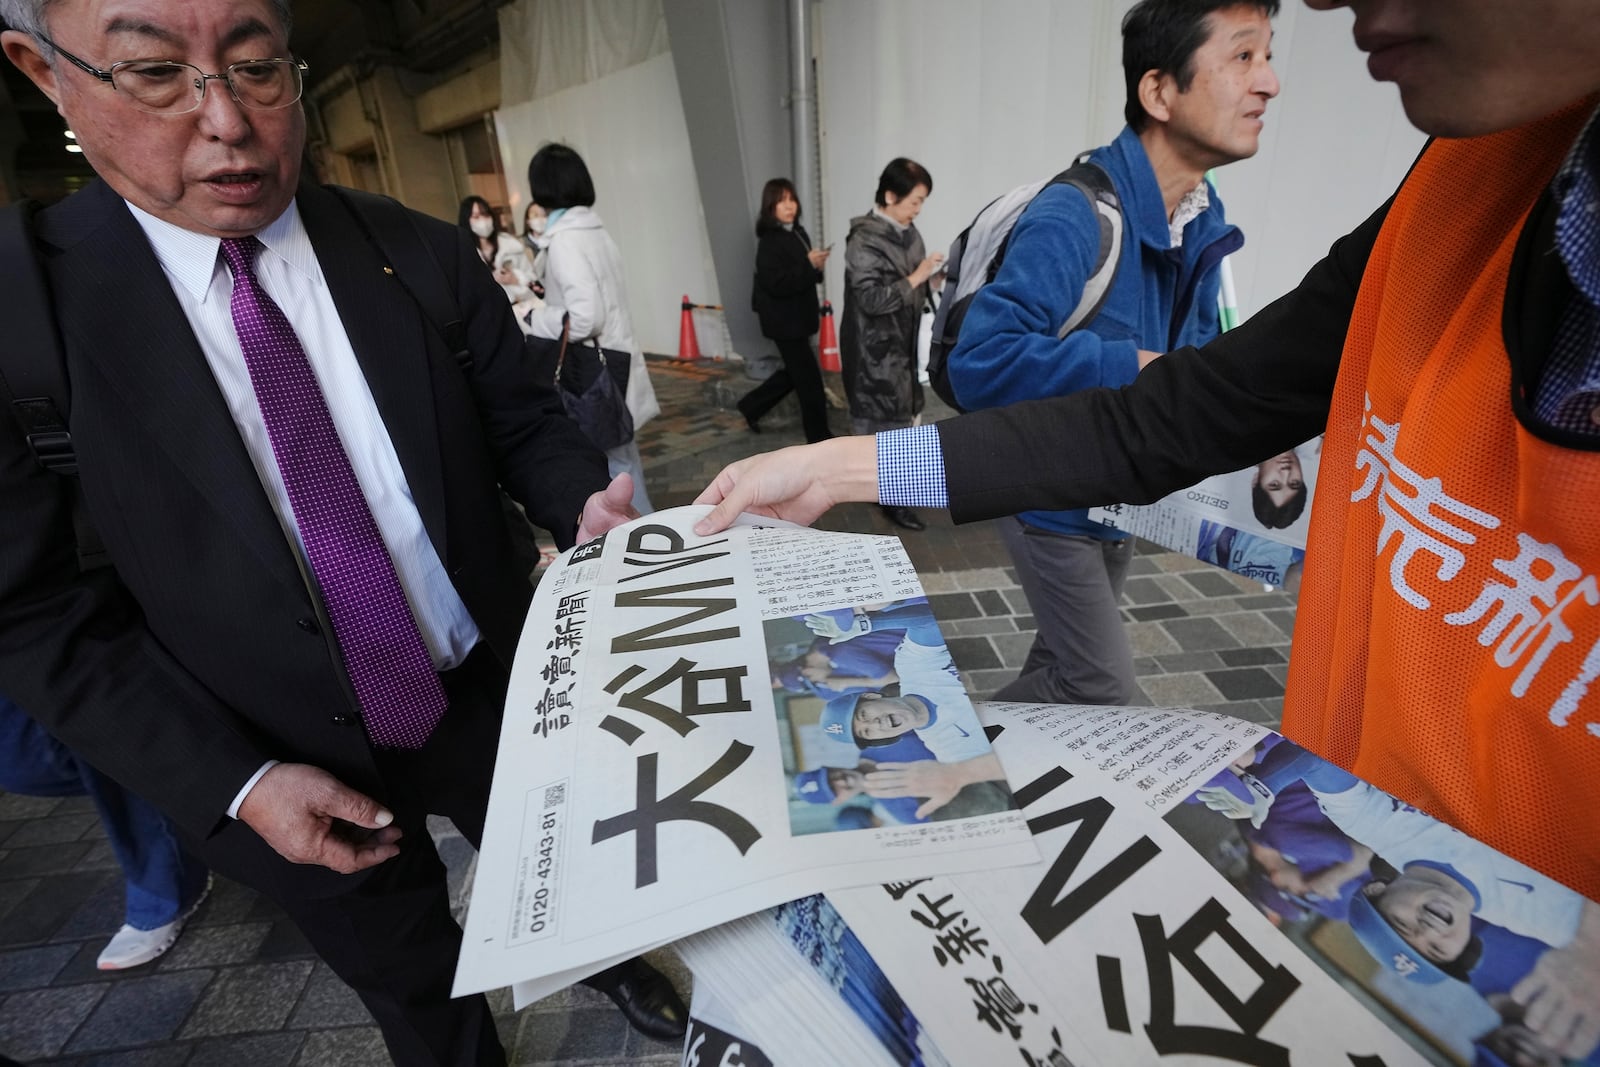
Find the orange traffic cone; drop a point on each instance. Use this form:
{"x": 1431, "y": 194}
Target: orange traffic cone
{"x": 828, "y": 340}
{"x": 688, "y": 344}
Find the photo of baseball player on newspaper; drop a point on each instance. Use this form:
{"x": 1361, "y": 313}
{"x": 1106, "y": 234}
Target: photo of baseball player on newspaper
{"x": 1485, "y": 960}
{"x": 879, "y": 727}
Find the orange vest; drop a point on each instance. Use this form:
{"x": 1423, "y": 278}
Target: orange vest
{"x": 1447, "y": 647}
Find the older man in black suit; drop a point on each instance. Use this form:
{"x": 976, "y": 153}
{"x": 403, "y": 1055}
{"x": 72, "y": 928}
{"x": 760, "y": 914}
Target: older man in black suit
{"x": 300, "y": 646}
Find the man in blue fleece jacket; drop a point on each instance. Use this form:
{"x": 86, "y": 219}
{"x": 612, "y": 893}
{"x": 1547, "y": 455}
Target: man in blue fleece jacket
{"x": 1199, "y": 76}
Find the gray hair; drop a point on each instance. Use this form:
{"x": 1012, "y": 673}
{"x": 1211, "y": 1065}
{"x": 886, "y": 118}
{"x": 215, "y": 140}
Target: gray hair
{"x": 27, "y": 16}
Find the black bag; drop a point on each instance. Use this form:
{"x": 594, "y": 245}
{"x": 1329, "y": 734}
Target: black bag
{"x": 593, "y": 383}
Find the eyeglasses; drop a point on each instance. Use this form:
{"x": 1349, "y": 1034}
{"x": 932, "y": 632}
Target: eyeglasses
{"x": 165, "y": 87}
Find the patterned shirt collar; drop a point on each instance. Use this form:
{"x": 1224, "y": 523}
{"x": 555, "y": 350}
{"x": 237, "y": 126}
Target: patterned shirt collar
{"x": 1577, "y": 192}
{"x": 1193, "y": 204}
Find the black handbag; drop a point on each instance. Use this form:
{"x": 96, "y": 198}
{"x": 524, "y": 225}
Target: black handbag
{"x": 593, "y": 384}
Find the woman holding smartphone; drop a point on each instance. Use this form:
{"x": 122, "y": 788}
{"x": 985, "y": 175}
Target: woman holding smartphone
{"x": 785, "y": 298}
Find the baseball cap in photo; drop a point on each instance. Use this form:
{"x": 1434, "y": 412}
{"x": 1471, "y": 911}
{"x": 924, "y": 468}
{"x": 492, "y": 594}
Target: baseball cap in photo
{"x": 1391, "y": 950}
{"x": 813, "y": 786}
{"x": 838, "y": 718}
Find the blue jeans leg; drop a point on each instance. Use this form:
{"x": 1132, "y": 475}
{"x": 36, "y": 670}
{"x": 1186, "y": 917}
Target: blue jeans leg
{"x": 162, "y": 880}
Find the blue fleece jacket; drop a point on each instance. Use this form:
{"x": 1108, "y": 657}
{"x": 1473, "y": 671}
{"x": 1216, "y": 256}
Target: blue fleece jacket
{"x": 1163, "y": 298}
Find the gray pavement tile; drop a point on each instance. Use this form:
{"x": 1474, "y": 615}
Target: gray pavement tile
{"x": 1281, "y": 673}
{"x": 1211, "y": 583}
{"x": 156, "y": 1056}
{"x": 1198, "y": 635}
{"x": 1145, "y": 591}
{"x": 140, "y": 1011}
{"x": 53, "y": 830}
{"x": 581, "y": 1034}
{"x": 1179, "y": 662}
{"x": 356, "y": 1046}
{"x": 40, "y": 1022}
{"x": 1178, "y": 589}
{"x": 258, "y": 1050}
{"x": 1252, "y": 628}
{"x": 973, "y": 653}
{"x": 1150, "y": 639}
{"x": 1174, "y": 563}
{"x": 327, "y": 1003}
{"x": 251, "y": 998}
{"x": 971, "y": 574}
{"x": 99, "y": 857}
{"x": 15, "y": 806}
{"x": 993, "y": 624}
{"x": 100, "y": 915}
{"x": 1266, "y": 602}
{"x": 42, "y": 859}
{"x": 952, "y": 606}
{"x": 1245, "y": 683}
{"x": 32, "y": 968}
{"x": 215, "y": 946}
{"x": 992, "y": 602}
{"x": 1250, "y": 657}
{"x": 229, "y": 902}
{"x": 1179, "y": 690}
{"x": 1013, "y": 647}
{"x": 1152, "y": 612}
{"x": 48, "y": 903}
{"x": 642, "y": 1049}
{"x": 9, "y": 827}
{"x": 1141, "y": 566}
{"x": 1283, "y": 620}
{"x": 79, "y": 805}
{"x": 1018, "y": 601}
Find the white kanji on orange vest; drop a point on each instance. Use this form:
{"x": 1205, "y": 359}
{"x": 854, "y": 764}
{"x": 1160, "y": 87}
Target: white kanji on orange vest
{"x": 1567, "y": 702}
{"x": 1414, "y": 509}
{"x": 1528, "y": 610}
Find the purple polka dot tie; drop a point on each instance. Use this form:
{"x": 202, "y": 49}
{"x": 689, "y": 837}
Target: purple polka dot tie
{"x": 389, "y": 667}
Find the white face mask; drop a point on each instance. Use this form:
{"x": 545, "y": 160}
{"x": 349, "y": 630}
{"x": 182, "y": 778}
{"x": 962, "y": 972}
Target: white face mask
{"x": 536, "y": 223}
{"x": 481, "y": 226}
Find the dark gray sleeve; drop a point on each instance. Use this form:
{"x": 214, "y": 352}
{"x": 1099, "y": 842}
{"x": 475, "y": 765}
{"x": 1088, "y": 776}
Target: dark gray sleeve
{"x": 1253, "y": 392}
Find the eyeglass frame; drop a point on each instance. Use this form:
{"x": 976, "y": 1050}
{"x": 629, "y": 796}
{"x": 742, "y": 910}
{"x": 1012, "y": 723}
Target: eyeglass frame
{"x": 109, "y": 78}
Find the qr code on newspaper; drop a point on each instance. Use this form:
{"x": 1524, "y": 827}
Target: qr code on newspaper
{"x": 555, "y": 795}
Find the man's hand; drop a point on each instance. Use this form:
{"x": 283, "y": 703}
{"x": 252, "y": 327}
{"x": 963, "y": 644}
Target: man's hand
{"x": 1560, "y": 997}
{"x": 797, "y": 484}
{"x": 937, "y": 782}
{"x": 611, "y": 506}
{"x": 309, "y": 816}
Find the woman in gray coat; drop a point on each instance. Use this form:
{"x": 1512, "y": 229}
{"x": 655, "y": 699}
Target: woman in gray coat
{"x": 886, "y": 278}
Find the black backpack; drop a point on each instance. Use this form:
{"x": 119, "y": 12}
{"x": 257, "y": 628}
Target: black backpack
{"x": 976, "y": 255}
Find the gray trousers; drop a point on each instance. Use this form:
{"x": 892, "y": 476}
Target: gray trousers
{"x": 1080, "y": 654}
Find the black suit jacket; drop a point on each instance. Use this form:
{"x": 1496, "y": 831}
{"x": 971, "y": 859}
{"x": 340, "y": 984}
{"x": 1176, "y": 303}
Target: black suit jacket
{"x": 203, "y": 651}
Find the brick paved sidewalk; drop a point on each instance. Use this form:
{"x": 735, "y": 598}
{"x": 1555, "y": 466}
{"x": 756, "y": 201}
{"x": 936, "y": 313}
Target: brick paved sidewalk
{"x": 242, "y": 988}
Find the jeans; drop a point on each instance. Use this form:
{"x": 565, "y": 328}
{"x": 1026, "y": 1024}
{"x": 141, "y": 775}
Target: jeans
{"x": 162, "y": 880}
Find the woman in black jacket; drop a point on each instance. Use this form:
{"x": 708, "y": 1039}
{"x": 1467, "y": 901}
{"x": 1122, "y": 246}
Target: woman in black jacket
{"x": 785, "y": 297}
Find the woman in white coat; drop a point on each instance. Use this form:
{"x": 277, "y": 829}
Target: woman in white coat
{"x": 582, "y": 273}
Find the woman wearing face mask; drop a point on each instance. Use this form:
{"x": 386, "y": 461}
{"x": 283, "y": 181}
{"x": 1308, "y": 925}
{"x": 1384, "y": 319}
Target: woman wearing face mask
{"x": 886, "y": 277}
{"x": 785, "y": 297}
{"x": 533, "y": 223}
{"x": 583, "y": 281}
{"x": 501, "y": 252}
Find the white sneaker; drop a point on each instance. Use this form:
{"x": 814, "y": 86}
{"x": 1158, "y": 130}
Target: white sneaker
{"x": 132, "y": 947}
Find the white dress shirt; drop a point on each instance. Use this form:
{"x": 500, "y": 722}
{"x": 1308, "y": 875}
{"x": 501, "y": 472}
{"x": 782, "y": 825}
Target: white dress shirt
{"x": 288, "y": 270}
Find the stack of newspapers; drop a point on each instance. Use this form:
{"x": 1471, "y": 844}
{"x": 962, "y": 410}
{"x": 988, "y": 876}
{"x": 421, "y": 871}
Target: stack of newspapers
{"x": 756, "y": 746}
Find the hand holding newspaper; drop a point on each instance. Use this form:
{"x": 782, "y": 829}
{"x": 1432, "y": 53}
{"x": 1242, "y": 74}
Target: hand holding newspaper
{"x": 679, "y": 746}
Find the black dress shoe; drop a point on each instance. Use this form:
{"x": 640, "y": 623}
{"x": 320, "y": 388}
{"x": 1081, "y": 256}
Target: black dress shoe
{"x": 645, "y": 997}
{"x": 755, "y": 426}
{"x": 904, "y": 518}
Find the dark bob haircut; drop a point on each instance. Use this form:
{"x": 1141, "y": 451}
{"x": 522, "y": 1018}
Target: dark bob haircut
{"x": 772, "y": 195}
{"x": 900, "y": 177}
{"x": 1274, "y": 516}
{"x": 1163, "y": 36}
{"x": 464, "y": 215}
{"x": 557, "y": 178}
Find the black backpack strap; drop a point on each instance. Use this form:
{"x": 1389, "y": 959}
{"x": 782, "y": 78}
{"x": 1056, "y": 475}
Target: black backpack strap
{"x": 33, "y": 375}
{"x": 33, "y": 369}
{"x": 392, "y": 230}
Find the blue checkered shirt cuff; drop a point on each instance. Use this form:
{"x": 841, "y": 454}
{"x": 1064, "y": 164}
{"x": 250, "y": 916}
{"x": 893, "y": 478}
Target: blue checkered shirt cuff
{"x": 911, "y": 468}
